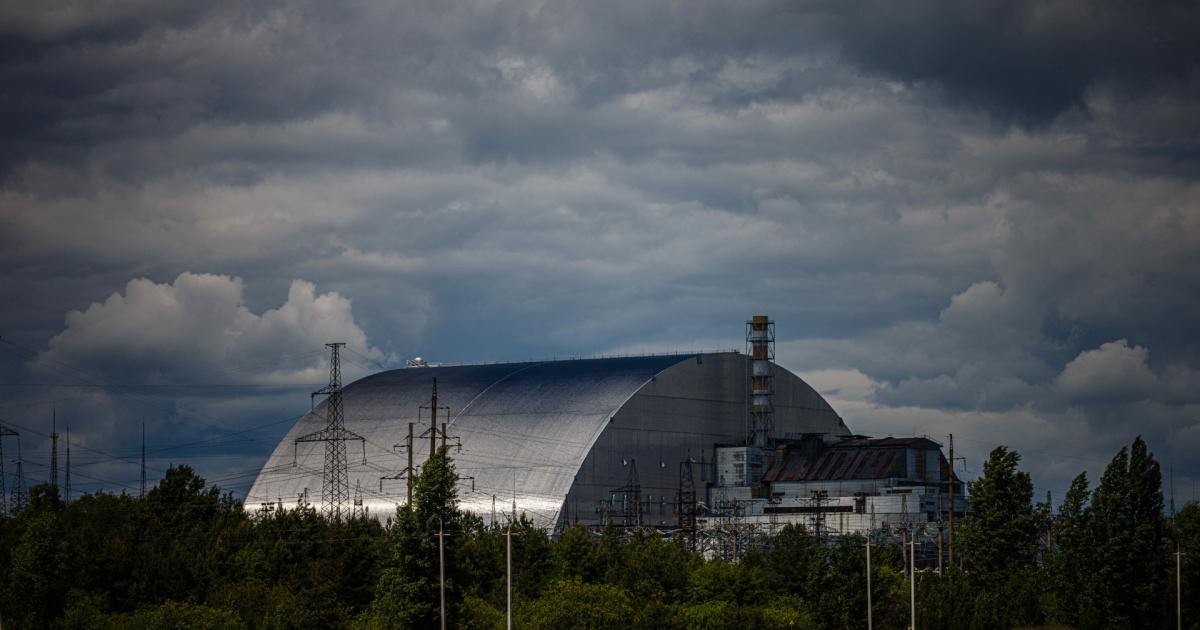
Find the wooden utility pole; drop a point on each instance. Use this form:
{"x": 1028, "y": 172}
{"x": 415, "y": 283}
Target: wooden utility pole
{"x": 508, "y": 582}
{"x": 1178, "y": 590}
{"x": 870, "y": 626}
{"x": 912, "y": 575}
{"x": 410, "y": 466}
{"x": 443, "y": 435}
{"x": 433, "y": 407}
{"x": 941, "y": 571}
{"x": 442, "y": 571}
{"x": 950, "y": 485}
{"x": 1049, "y": 523}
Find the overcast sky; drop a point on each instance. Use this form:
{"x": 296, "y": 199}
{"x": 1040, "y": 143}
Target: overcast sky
{"x": 970, "y": 217}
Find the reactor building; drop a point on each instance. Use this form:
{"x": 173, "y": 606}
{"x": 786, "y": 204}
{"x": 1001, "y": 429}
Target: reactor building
{"x": 688, "y": 441}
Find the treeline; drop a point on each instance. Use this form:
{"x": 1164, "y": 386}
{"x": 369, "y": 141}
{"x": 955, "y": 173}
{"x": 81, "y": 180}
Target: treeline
{"x": 188, "y": 556}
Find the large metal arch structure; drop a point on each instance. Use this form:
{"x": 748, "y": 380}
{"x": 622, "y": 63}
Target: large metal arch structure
{"x": 555, "y": 437}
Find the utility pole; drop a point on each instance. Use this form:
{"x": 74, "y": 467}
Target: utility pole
{"x": 67, "y": 485}
{"x": 4, "y": 431}
{"x": 335, "y": 482}
{"x": 818, "y": 519}
{"x": 442, "y": 571}
{"x": 1049, "y": 523}
{"x": 408, "y": 471}
{"x": 941, "y": 571}
{"x": 687, "y": 502}
{"x": 870, "y": 626}
{"x": 633, "y": 486}
{"x": 358, "y": 511}
{"x": 410, "y": 466}
{"x": 142, "y": 493}
{"x": 1178, "y": 588}
{"x": 433, "y": 407}
{"x": 509, "y": 586}
{"x": 19, "y": 497}
{"x": 912, "y": 582}
{"x": 950, "y": 511}
{"x": 508, "y": 579}
{"x": 54, "y": 447}
{"x": 1172, "y": 469}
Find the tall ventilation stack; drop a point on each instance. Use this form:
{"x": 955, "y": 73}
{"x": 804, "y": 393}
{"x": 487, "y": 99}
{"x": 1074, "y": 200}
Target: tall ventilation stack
{"x": 760, "y": 346}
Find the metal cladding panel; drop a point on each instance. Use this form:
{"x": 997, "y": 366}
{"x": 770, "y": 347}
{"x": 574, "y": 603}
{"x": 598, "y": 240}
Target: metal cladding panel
{"x": 524, "y": 428}
{"x": 840, "y": 463}
{"x": 561, "y": 434}
{"x": 683, "y": 412}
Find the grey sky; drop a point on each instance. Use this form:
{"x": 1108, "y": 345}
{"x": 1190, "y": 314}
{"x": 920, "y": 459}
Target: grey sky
{"x": 981, "y": 218}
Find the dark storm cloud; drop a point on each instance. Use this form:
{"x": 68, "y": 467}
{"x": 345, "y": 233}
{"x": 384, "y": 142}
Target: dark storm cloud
{"x": 509, "y": 180}
{"x": 1025, "y": 60}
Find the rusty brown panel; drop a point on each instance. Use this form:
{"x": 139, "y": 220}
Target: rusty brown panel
{"x": 870, "y": 465}
{"x": 830, "y": 466}
{"x": 797, "y": 469}
{"x": 862, "y": 461}
{"x": 814, "y": 471}
{"x": 885, "y": 464}
{"x": 897, "y": 464}
{"x": 835, "y": 466}
{"x": 844, "y": 464}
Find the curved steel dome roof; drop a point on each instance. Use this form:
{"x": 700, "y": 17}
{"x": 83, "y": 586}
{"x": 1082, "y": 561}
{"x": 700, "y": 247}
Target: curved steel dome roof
{"x": 538, "y": 419}
{"x": 525, "y": 430}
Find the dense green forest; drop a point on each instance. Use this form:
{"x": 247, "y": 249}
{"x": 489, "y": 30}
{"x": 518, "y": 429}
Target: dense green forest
{"x": 188, "y": 556}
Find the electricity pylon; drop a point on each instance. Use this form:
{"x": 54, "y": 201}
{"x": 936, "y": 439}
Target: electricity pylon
{"x": 19, "y": 496}
{"x": 54, "y": 447}
{"x": 687, "y": 503}
{"x": 335, "y": 484}
{"x": 4, "y": 431}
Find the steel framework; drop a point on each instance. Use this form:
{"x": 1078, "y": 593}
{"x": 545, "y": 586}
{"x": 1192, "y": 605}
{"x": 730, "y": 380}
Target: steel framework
{"x": 4, "y": 432}
{"x": 335, "y": 483}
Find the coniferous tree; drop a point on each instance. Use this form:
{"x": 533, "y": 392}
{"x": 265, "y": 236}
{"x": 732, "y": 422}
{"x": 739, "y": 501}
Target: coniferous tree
{"x": 1130, "y": 545}
{"x": 1069, "y": 568}
{"x": 407, "y": 593}
{"x": 1186, "y": 526}
{"x": 999, "y": 537}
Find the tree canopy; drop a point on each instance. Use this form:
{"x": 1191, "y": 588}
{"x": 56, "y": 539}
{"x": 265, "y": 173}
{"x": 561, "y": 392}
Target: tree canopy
{"x": 188, "y": 555}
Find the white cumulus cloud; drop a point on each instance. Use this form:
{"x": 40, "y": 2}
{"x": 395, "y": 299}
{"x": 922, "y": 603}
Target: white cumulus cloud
{"x": 1114, "y": 371}
{"x": 195, "y": 328}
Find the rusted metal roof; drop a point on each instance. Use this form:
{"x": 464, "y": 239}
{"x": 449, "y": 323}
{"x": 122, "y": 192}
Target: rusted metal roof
{"x": 855, "y": 458}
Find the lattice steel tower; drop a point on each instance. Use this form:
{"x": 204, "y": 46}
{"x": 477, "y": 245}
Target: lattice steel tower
{"x": 19, "y": 494}
{"x": 687, "y": 502}
{"x": 335, "y": 485}
{"x": 760, "y": 345}
{"x": 4, "y": 432}
{"x": 67, "y": 485}
{"x": 142, "y": 492}
{"x": 54, "y": 448}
